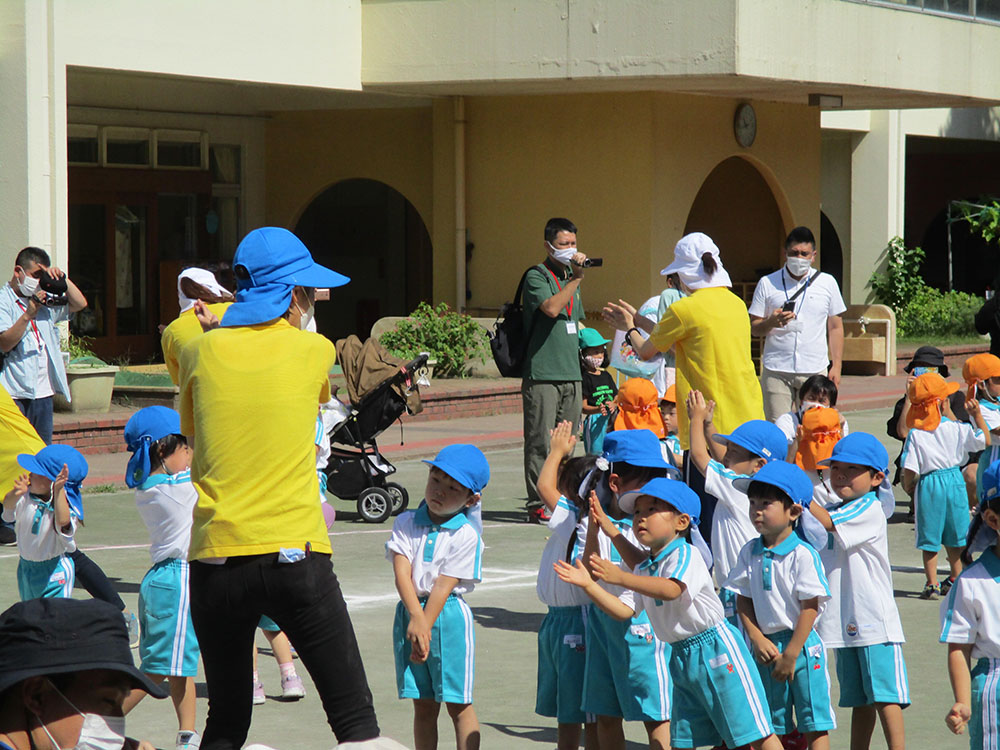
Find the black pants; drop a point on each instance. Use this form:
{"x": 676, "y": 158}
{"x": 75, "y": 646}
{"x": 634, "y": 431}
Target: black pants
{"x": 304, "y": 599}
{"x": 92, "y": 578}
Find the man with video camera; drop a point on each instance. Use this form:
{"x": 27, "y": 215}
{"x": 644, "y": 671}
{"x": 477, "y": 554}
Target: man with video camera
{"x": 36, "y": 298}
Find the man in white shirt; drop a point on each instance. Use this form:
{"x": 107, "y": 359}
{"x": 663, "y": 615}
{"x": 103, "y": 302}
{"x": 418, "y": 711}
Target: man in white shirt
{"x": 798, "y": 312}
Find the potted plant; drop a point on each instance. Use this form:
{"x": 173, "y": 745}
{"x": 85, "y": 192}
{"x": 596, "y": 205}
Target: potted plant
{"x": 91, "y": 379}
{"x": 451, "y": 338}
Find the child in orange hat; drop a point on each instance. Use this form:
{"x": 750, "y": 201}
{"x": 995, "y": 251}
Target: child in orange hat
{"x": 981, "y": 373}
{"x": 638, "y": 407}
{"x": 936, "y": 446}
{"x": 668, "y": 410}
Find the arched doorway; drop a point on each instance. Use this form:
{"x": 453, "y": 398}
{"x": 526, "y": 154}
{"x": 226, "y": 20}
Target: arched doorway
{"x": 831, "y": 257}
{"x": 736, "y": 208}
{"x": 372, "y": 233}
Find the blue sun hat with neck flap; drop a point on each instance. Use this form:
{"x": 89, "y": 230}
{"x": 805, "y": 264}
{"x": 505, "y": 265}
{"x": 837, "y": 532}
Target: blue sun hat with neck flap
{"x": 49, "y": 461}
{"x": 143, "y": 429}
{"x": 269, "y": 263}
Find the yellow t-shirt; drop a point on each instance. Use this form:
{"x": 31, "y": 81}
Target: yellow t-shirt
{"x": 16, "y": 436}
{"x": 250, "y": 395}
{"x": 181, "y": 331}
{"x": 711, "y": 332}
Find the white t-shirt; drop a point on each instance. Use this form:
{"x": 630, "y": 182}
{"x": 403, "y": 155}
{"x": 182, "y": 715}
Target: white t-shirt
{"x": 731, "y": 525}
{"x": 453, "y": 548}
{"x": 552, "y": 591}
{"x": 971, "y": 611}
{"x": 800, "y": 346}
{"x": 789, "y": 423}
{"x": 695, "y": 610}
{"x": 991, "y": 413}
{"x": 38, "y": 539}
{"x": 861, "y": 610}
{"x": 943, "y": 448}
{"x": 778, "y": 580}
{"x": 165, "y": 503}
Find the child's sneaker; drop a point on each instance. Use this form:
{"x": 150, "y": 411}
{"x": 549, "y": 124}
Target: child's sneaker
{"x": 188, "y": 741}
{"x": 292, "y": 688}
{"x": 931, "y": 591}
{"x": 946, "y": 585}
{"x": 258, "y": 693}
{"x": 132, "y": 625}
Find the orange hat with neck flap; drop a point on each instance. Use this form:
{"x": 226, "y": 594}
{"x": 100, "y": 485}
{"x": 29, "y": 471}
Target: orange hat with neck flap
{"x": 638, "y": 407}
{"x": 821, "y": 431}
{"x": 980, "y": 367}
{"x": 926, "y": 394}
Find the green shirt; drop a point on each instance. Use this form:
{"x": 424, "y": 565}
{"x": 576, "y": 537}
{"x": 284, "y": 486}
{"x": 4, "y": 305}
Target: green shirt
{"x": 553, "y": 351}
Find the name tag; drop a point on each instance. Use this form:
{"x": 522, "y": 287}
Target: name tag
{"x": 571, "y": 327}
{"x": 573, "y": 640}
{"x": 794, "y": 326}
{"x": 719, "y": 661}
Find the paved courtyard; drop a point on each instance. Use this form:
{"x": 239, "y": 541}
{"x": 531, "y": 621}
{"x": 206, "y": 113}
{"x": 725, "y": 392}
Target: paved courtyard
{"x": 507, "y": 618}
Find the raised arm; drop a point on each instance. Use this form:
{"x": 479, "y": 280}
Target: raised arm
{"x": 631, "y": 554}
{"x": 10, "y": 499}
{"x": 561, "y": 299}
{"x": 665, "y": 589}
{"x": 697, "y": 411}
{"x": 577, "y": 575}
{"x": 561, "y": 442}
{"x": 60, "y": 505}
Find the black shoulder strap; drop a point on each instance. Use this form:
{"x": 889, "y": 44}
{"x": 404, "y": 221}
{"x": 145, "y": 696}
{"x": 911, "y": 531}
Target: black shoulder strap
{"x": 803, "y": 287}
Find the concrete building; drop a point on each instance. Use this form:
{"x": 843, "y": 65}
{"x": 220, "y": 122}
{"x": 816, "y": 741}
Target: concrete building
{"x": 419, "y": 147}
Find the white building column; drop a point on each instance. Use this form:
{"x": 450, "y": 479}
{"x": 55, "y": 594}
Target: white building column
{"x": 32, "y": 134}
{"x": 878, "y": 173}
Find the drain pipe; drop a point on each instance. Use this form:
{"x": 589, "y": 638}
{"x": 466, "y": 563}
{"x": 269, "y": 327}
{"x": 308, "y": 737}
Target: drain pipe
{"x": 460, "y": 231}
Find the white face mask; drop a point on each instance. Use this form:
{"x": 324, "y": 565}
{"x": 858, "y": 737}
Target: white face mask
{"x": 807, "y": 405}
{"x": 97, "y": 733}
{"x": 563, "y": 255}
{"x": 306, "y": 321}
{"x": 28, "y": 286}
{"x": 798, "y": 266}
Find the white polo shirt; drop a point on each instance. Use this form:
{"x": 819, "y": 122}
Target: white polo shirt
{"x": 166, "y": 503}
{"x": 731, "y": 525}
{"x": 452, "y": 548}
{"x": 607, "y": 551}
{"x": 38, "y": 539}
{"x": 971, "y": 611}
{"x": 943, "y": 448}
{"x": 561, "y": 545}
{"x": 861, "y": 610}
{"x": 778, "y": 580}
{"x": 694, "y": 611}
{"x": 800, "y": 346}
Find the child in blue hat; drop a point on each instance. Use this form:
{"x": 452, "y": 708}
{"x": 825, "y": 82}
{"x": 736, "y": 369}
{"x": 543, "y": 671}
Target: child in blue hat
{"x": 436, "y": 554}
{"x": 748, "y": 448}
{"x": 861, "y": 620}
{"x": 781, "y": 589}
{"x": 160, "y": 472}
{"x": 716, "y": 693}
{"x": 44, "y": 506}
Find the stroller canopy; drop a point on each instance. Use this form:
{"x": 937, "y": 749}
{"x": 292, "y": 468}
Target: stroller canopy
{"x": 367, "y": 366}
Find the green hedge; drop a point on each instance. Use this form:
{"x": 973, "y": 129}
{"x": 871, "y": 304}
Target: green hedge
{"x": 931, "y": 312}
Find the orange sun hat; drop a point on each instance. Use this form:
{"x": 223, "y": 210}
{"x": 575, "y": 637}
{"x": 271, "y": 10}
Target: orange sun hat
{"x": 638, "y": 407}
{"x": 978, "y": 368}
{"x": 670, "y": 394}
{"x": 926, "y": 394}
{"x": 821, "y": 431}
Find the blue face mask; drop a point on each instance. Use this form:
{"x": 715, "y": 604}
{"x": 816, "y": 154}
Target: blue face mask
{"x": 918, "y": 371}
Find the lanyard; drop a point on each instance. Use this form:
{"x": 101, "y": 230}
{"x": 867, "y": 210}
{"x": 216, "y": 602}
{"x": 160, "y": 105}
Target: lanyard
{"x": 801, "y": 291}
{"x": 34, "y": 327}
{"x": 569, "y": 307}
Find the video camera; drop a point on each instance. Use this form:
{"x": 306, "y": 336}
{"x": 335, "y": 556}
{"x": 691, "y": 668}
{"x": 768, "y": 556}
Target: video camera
{"x": 55, "y": 290}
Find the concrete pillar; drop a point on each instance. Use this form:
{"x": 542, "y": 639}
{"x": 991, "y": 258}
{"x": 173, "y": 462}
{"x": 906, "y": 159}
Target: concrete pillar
{"x": 32, "y": 134}
{"x": 878, "y": 172}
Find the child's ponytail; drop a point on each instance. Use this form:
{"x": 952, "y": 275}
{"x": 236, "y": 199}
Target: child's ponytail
{"x": 709, "y": 264}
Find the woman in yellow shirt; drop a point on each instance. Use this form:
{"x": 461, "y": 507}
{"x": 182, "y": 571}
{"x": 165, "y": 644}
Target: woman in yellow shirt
{"x": 710, "y": 331}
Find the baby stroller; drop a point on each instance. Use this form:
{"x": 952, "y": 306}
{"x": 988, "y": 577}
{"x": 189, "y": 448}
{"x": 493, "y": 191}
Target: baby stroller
{"x": 381, "y": 387}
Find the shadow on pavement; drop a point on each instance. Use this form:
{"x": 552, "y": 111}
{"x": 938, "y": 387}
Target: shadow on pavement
{"x": 546, "y": 735}
{"x": 504, "y": 619}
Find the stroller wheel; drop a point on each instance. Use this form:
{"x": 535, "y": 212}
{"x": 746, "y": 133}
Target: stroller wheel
{"x": 400, "y": 497}
{"x": 374, "y": 504}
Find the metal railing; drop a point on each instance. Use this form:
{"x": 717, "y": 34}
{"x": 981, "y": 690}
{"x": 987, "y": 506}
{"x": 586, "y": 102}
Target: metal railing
{"x": 984, "y": 11}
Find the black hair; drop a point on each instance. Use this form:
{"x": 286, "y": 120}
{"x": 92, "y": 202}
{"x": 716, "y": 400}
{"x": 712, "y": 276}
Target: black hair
{"x": 798, "y": 236}
{"x": 556, "y": 225}
{"x": 977, "y": 524}
{"x": 604, "y": 362}
{"x": 628, "y": 473}
{"x": 708, "y": 263}
{"x": 32, "y": 255}
{"x": 766, "y": 491}
{"x": 820, "y": 384}
{"x": 572, "y": 472}
{"x": 165, "y": 447}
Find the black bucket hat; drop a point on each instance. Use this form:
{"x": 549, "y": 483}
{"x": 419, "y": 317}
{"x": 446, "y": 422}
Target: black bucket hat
{"x": 928, "y": 356}
{"x": 59, "y": 636}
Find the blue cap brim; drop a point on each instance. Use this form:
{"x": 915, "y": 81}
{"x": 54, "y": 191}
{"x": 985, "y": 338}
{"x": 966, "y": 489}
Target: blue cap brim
{"x": 316, "y": 277}
{"x": 455, "y": 473}
{"x": 32, "y": 464}
{"x": 851, "y": 458}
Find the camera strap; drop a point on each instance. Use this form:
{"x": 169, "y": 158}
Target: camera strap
{"x": 34, "y": 327}
{"x": 801, "y": 288}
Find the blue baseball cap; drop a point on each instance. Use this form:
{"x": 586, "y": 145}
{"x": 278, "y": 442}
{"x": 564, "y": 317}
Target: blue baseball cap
{"x": 143, "y": 429}
{"x": 760, "y": 437}
{"x": 859, "y": 448}
{"x": 678, "y": 494}
{"x": 990, "y": 482}
{"x": 637, "y": 448}
{"x": 464, "y": 463}
{"x": 274, "y": 261}
{"x": 787, "y": 477}
{"x": 49, "y": 461}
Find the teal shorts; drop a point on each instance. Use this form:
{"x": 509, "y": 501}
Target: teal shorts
{"x": 626, "y": 674}
{"x": 872, "y": 674}
{"x": 942, "y": 510}
{"x": 718, "y": 696}
{"x": 447, "y": 675}
{"x": 808, "y": 692}
{"x": 562, "y": 661}
{"x": 728, "y": 599}
{"x": 266, "y": 623}
{"x": 48, "y": 579}
{"x": 984, "y": 726}
{"x": 167, "y": 643}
